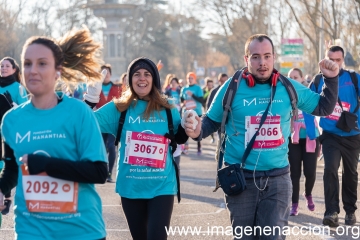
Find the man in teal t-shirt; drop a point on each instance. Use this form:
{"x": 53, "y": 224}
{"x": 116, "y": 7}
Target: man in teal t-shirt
{"x": 267, "y": 199}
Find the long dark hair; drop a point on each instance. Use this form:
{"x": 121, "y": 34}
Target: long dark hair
{"x": 15, "y": 66}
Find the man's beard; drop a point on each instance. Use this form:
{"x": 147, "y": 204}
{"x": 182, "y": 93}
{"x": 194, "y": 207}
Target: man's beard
{"x": 262, "y": 80}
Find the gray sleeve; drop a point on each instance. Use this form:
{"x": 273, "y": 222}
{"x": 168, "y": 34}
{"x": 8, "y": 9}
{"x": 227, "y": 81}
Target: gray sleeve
{"x": 328, "y": 97}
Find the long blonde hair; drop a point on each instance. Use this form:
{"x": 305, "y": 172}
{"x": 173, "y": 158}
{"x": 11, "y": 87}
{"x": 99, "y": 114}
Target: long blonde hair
{"x": 76, "y": 53}
{"x": 156, "y": 101}
{"x": 167, "y": 81}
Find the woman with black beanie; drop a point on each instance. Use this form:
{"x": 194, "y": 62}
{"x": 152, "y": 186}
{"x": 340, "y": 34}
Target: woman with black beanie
{"x": 147, "y": 177}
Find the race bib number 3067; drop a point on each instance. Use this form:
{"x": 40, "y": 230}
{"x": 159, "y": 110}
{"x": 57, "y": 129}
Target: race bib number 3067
{"x": 146, "y": 149}
{"x": 269, "y": 136}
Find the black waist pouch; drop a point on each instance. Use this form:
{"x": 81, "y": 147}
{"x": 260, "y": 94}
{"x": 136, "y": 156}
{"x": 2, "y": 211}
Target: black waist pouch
{"x": 232, "y": 179}
{"x": 348, "y": 121}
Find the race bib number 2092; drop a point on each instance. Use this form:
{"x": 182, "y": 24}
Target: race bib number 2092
{"x": 47, "y": 194}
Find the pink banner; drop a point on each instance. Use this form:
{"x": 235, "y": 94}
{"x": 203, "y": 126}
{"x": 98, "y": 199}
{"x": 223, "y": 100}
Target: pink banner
{"x": 292, "y": 41}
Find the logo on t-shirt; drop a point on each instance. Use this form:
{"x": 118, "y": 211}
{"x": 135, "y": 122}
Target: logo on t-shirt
{"x": 20, "y": 138}
{"x": 248, "y": 103}
{"x": 132, "y": 120}
{"x": 150, "y": 120}
{"x": 39, "y": 135}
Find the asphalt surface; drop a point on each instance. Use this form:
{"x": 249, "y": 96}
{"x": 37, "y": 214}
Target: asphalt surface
{"x": 202, "y": 208}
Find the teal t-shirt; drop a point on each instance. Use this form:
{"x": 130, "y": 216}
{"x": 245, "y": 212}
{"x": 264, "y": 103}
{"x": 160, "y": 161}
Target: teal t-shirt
{"x": 17, "y": 92}
{"x": 106, "y": 89}
{"x": 197, "y": 91}
{"x": 68, "y": 131}
{"x": 271, "y": 146}
{"x": 175, "y": 96}
{"x": 135, "y": 181}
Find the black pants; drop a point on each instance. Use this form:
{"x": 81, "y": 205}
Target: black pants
{"x": 109, "y": 141}
{"x": 8, "y": 195}
{"x": 298, "y": 155}
{"x": 147, "y": 218}
{"x": 335, "y": 148}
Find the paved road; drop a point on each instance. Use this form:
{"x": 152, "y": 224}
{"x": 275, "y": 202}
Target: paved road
{"x": 202, "y": 208}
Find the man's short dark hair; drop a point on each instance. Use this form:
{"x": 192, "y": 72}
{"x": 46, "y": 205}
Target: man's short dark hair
{"x": 260, "y": 38}
{"x": 107, "y": 66}
{"x": 336, "y": 48}
{"x": 221, "y": 75}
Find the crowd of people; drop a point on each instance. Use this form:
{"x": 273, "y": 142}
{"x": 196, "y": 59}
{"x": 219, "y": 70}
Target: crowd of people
{"x": 58, "y": 144}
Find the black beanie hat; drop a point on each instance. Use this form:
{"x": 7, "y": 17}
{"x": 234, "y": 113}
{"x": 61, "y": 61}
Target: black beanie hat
{"x": 144, "y": 63}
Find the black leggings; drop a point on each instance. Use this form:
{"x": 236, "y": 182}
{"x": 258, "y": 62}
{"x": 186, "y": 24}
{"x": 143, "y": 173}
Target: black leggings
{"x": 8, "y": 195}
{"x": 298, "y": 154}
{"x": 147, "y": 218}
{"x": 109, "y": 141}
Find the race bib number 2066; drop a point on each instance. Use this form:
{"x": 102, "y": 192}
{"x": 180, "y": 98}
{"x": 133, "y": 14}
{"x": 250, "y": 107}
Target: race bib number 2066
{"x": 269, "y": 136}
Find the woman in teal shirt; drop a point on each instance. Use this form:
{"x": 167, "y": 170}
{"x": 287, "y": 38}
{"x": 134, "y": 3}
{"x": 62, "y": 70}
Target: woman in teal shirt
{"x": 51, "y": 156}
{"x": 146, "y": 176}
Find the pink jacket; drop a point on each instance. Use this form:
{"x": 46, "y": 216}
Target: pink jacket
{"x": 310, "y": 144}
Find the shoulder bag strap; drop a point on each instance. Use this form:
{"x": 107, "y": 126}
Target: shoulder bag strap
{"x": 173, "y": 145}
{"x": 263, "y": 118}
{"x": 121, "y": 124}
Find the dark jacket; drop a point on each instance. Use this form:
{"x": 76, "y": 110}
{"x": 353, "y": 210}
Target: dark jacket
{"x": 211, "y": 97}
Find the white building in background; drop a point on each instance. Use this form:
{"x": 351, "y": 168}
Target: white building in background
{"x": 114, "y": 13}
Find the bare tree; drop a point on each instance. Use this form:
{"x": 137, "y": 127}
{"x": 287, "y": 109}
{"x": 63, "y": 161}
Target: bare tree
{"x": 338, "y": 17}
{"x": 306, "y": 14}
{"x": 9, "y": 24}
{"x": 357, "y": 8}
{"x": 237, "y": 19}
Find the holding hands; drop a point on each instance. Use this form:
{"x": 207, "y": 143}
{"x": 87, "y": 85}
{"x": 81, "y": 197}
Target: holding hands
{"x": 191, "y": 123}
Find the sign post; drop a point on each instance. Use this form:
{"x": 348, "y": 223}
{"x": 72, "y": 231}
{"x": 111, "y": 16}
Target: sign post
{"x": 292, "y": 52}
